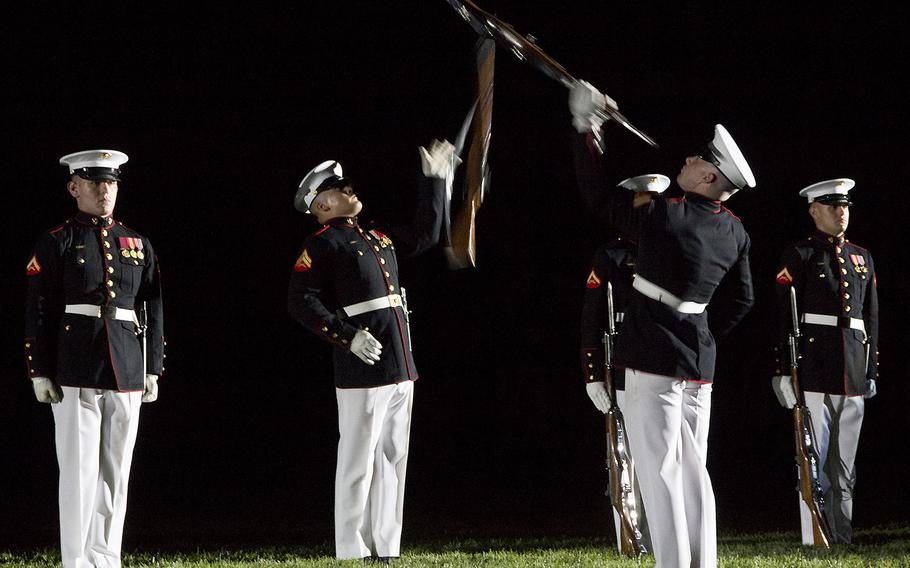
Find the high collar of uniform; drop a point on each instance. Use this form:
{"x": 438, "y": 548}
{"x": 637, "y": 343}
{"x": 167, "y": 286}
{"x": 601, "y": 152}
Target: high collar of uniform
{"x": 699, "y": 198}
{"x": 94, "y": 220}
{"x": 342, "y": 222}
{"x": 826, "y": 238}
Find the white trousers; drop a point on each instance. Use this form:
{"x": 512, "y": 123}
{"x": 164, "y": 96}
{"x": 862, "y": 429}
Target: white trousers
{"x": 642, "y": 517}
{"x": 95, "y": 432}
{"x": 837, "y": 421}
{"x": 668, "y": 423}
{"x": 374, "y": 425}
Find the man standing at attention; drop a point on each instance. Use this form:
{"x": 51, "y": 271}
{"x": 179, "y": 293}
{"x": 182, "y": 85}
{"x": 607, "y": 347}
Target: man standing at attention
{"x": 836, "y": 294}
{"x": 94, "y": 348}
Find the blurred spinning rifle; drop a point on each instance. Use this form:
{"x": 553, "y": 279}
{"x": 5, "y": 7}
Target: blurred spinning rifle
{"x": 459, "y": 231}
{"x": 526, "y": 49}
{"x": 807, "y": 461}
{"x": 621, "y": 491}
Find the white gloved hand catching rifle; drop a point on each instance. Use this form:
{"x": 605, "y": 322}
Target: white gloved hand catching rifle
{"x": 46, "y": 390}
{"x": 597, "y": 392}
{"x": 439, "y": 159}
{"x": 150, "y": 392}
{"x": 366, "y": 347}
{"x": 783, "y": 388}
{"x": 871, "y": 389}
{"x": 584, "y": 102}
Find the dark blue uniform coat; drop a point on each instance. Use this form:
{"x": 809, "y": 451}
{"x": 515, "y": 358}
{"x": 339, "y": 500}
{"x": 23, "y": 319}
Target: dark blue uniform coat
{"x": 832, "y": 277}
{"x": 613, "y": 262}
{"x": 687, "y": 246}
{"x": 344, "y": 264}
{"x": 98, "y": 261}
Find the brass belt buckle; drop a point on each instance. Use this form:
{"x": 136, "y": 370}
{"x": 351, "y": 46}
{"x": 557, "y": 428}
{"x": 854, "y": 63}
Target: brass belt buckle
{"x": 108, "y": 312}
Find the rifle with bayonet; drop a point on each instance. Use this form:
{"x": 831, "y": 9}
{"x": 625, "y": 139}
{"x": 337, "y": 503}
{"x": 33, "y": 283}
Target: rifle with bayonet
{"x": 807, "y": 461}
{"x": 621, "y": 491}
{"x": 526, "y": 49}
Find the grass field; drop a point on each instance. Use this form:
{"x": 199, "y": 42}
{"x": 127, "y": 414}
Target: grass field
{"x": 880, "y": 547}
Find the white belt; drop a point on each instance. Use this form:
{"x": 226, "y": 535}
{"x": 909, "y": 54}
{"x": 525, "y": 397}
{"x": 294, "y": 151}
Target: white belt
{"x": 655, "y": 292}
{"x": 834, "y": 321}
{"x": 107, "y": 312}
{"x": 390, "y": 301}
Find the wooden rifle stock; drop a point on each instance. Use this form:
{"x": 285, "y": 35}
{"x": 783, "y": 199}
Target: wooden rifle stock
{"x": 807, "y": 461}
{"x": 622, "y": 491}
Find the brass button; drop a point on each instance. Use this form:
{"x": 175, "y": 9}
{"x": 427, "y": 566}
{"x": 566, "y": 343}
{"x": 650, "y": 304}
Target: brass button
{"x": 843, "y": 271}
{"x": 846, "y": 308}
{"x": 382, "y": 260}
{"x": 109, "y": 283}
{"x": 588, "y": 354}
{"x": 112, "y": 294}
{"x": 67, "y": 327}
{"x": 334, "y": 335}
{"x": 811, "y": 340}
{"x": 376, "y": 248}
{"x": 103, "y": 232}
{"x": 110, "y": 269}
{"x": 391, "y": 288}
{"x": 109, "y": 256}
{"x": 822, "y": 275}
{"x": 344, "y": 341}
{"x": 136, "y": 262}
{"x": 94, "y": 220}
{"x": 830, "y": 239}
{"x": 80, "y": 260}
{"x": 846, "y": 284}
{"x": 360, "y": 252}
{"x": 846, "y": 296}
{"x": 590, "y": 377}
{"x": 27, "y": 345}
{"x": 107, "y": 244}
{"x": 387, "y": 274}
{"x": 325, "y": 329}
{"x": 29, "y": 357}
{"x": 590, "y": 365}
{"x": 366, "y": 329}
{"x": 841, "y": 260}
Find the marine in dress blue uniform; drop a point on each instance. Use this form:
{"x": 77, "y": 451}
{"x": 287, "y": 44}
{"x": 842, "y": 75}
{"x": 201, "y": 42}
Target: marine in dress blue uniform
{"x": 345, "y": 288}
{"x": 836, "y": 294}
{"x": 687, "y": 246}
{"x": 613, "y": 263}
{"x": 87, "y": 278}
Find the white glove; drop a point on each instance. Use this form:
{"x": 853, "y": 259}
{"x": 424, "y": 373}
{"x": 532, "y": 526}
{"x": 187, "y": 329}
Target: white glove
{"x": 439, "y": 160}
{"x": 46, "y": 390}
{"x": 598, "y": 394}
{"x": 584, "y": 102}
{"x": 150, "y": 392}
{"x": 783, "y": 388}
{"x": 871, "y": 390}
{"x": 366, "y": 347}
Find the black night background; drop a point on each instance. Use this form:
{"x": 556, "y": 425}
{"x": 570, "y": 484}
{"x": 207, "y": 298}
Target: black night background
{"x": 223, "y": 109}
